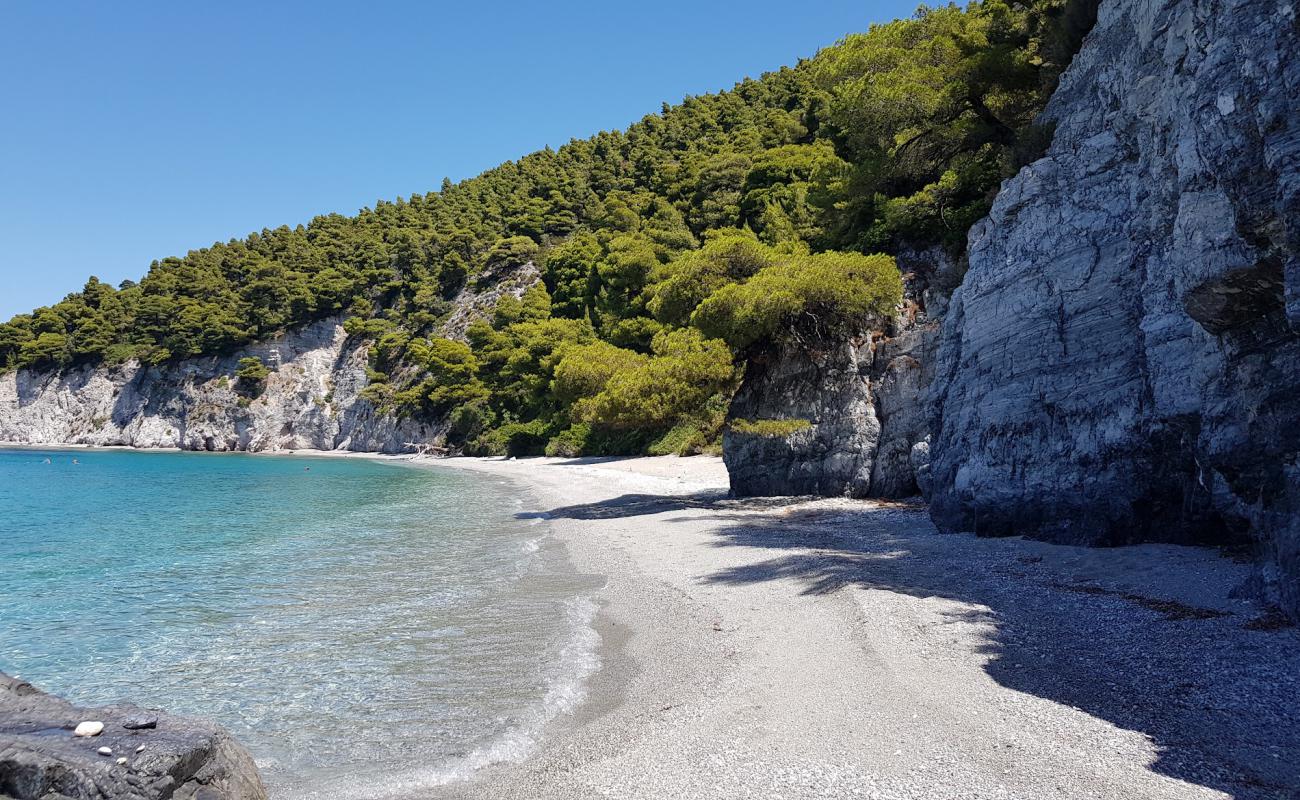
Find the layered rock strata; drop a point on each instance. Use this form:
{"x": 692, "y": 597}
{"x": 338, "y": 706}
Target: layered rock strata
{"x": 842, "y": 418}
{"x": 1122, "y": 359}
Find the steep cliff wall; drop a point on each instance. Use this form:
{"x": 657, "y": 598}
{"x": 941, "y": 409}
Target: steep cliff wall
{"x": 1121, "y": 361}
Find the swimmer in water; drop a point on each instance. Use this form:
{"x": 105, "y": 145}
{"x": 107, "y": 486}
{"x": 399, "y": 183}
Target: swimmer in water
{"x": 47, "y": 461}
{"x": 75, "y": 461}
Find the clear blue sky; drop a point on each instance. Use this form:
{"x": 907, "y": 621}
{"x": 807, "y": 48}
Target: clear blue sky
{"x": 137, "y": 130}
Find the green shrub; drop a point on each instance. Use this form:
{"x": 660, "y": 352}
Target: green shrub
{"x": 819, "y": 296}
{"x": 769, "y": 428}
{"x": 684, "y": 371}
{"x": 451, "y": 371}
{"x": 571, "y": 442}
{"x": 251, "y": 368}
{"x": 367, "y": 328}
{"x": 683, "y": 439}
{"x": 252, "y": 374}
{"x": 120, "y": 354}
{"x": 378, "y": 394}
{"x": 516, "y": 439}
{"x": 584, "y": 370}
{"x": 469, "y": 421}
{"x": 513, "y": 251}
{"x": 727, "y": 257}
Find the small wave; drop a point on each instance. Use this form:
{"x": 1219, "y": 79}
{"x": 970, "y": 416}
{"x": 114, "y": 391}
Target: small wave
{"x": 577, "y": 660}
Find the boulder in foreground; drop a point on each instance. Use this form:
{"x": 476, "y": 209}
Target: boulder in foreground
{"x": 186, "y": 759}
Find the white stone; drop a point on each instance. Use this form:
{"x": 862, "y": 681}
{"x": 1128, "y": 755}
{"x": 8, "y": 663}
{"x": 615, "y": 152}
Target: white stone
{"x": 121, "y": 761}
{"x": 105, "y": 751}
{"x": 89, "y": 728}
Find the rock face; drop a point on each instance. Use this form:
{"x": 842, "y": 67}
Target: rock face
{"x": 311, "y": 400}
{"x": 41, "y": 759}
{"x": 1121, "y": 361}
{"x": 861, "y": 397}
{"x": 831, "y": 391}
{"x": 479, "y": 298}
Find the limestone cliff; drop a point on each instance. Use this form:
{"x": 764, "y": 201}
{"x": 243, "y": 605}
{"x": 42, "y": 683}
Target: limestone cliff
{"x": 312, "y": 398}
{"x": 1121, "y": 361}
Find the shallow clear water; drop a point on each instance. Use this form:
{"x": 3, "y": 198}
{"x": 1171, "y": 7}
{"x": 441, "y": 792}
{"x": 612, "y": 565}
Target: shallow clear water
{"x": 363, "y": 627}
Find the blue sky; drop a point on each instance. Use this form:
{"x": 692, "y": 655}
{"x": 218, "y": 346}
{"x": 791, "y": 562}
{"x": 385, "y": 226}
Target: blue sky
{"x": 134, "y": 131}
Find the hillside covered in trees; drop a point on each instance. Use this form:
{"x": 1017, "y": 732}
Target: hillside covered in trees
{"x": 670, "y": 252}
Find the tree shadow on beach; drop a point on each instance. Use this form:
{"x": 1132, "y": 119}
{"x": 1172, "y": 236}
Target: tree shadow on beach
{"x": 1216, "y": 691}
{"x": 637, "y": 505}
{"x": 1219, "y": 698}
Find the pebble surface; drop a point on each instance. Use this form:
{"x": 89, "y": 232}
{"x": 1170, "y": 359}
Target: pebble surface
{"x": 796, "y": 649}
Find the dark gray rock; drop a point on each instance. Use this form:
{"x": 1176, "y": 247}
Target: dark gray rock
{"x": 863, "y": 397}
{"x": 830, "y": 389}
{"x": 1121, "y": 362}
{"x": 140, "y": 722}
{"x": 185, "y": 759}
{"x": 903, "y": 368}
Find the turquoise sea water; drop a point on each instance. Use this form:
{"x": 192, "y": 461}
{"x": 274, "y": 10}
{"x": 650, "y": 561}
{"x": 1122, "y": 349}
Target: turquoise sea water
{"x": 365, "y": 628}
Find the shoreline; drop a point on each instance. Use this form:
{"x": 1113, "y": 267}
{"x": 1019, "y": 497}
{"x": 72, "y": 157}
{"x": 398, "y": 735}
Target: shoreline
{"x": 812, "y": 648}
{"x": 570, "y": 651}
{"x": 822, "y": 648}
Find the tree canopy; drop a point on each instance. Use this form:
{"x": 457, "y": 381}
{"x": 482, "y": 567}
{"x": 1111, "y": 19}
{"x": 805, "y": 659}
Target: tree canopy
{"x": 669, "y": 251}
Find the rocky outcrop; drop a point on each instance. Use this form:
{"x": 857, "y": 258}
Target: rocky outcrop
{"x": 858, "y": 403}
{"x": 480, "y": 296}
{"x": 310, "y": 400}
{"x": 139, "y": 755}
{"x": 828, "y": 393}
{"x": 1122, "y": 359}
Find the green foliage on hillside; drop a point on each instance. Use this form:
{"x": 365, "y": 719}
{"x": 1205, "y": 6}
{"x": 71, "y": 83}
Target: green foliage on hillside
{"x": 801, "y": 296}
{"x": 252, "y": 369}
{"x": 252, "y": 375}
{"x": 669, "y": 251}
